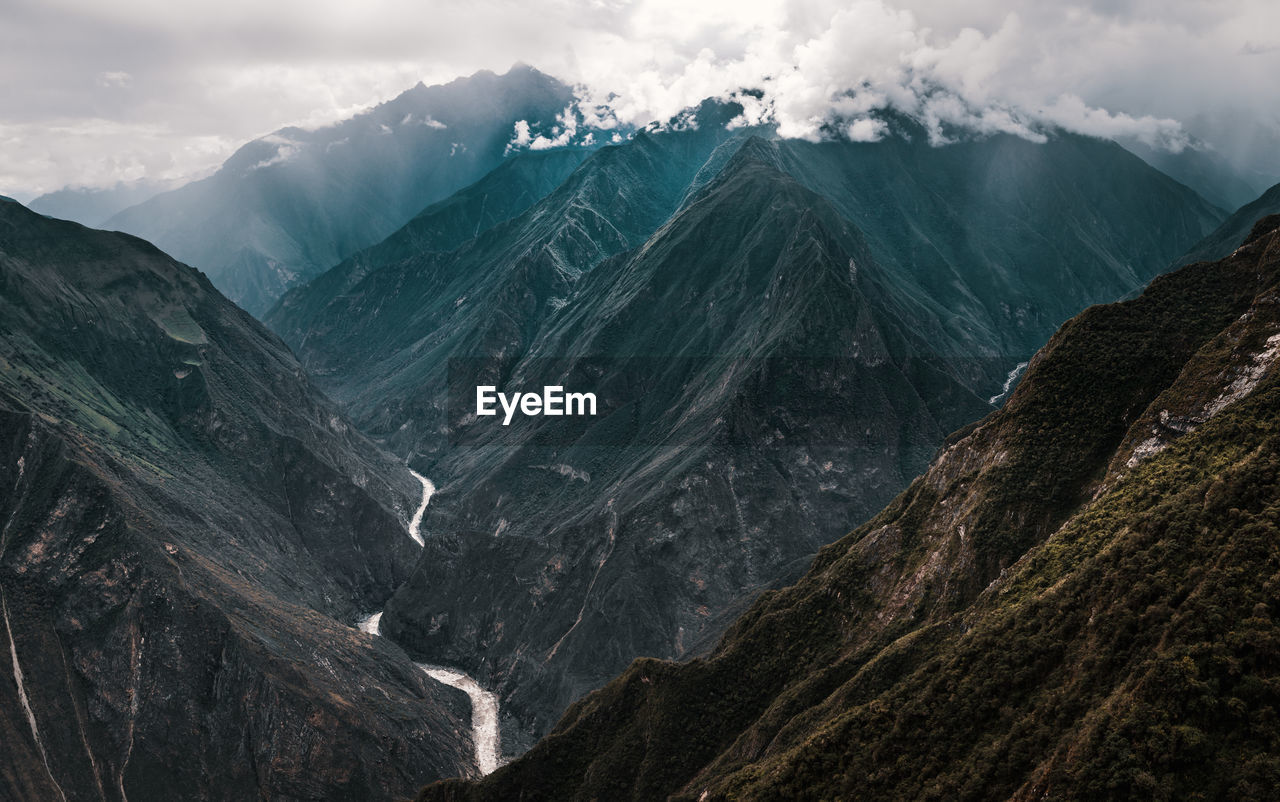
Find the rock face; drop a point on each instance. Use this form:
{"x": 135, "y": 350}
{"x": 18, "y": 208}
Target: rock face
{"x": 798, "y": 325}
{"x": 1039, "y": 615}
{"x": 185, "y": 523}
{"x": 287, "y": 206}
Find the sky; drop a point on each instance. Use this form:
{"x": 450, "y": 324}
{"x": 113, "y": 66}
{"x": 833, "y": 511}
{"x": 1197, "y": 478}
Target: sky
{"x": 96, "y": 93}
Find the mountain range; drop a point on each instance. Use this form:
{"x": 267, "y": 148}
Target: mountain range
{"x": 93, "y": 206}
{"x": 1076, "y": 600}
{"x": 1059, "y": 576}
{"x": 783, "y": 333}
{"x": 289, "y": 205}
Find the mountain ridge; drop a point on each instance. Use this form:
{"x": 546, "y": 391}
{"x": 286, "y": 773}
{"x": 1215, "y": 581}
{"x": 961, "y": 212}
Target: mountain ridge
{"x": 524, "y": 297}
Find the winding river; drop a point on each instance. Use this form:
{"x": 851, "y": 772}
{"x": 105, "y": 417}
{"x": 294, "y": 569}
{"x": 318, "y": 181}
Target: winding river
{"x": 484, "y": 704}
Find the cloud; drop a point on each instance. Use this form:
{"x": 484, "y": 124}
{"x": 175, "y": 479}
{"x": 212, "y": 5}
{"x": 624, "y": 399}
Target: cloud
{"x": 1070, "y": 112}
{"x": 192, "y": 81}
{"x": 562, "y": 133}
{"x": 838, "y": 69}
{"x": 114, "y": 78}
{"x": 520, "y": 137}
{"x": 1256, "y": 49}
{"x": 866, "y": 130}
{"x": 427, "y": 121}
{"x": 286, "y": 149}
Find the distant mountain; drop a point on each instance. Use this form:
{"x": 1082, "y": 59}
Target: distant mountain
{"x": 290, "y": 205}
{"x": 187, "y": 528}
{"x": 892, "y": 288}
{"x": 1216, "y": 179}
{"x": 1076, "y": 601}
{"x": 1228, "y": 236}
{"x": 94, "y": 206}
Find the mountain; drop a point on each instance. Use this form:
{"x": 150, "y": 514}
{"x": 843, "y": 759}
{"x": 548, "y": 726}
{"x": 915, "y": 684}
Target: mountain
{"x": 813, "y": 344}
{"x": 780, "y": 333}
{"x": 289, "y": 205}
{"x": 511, "y": 188}
{"x": 187, "y": 526}
{"x": 1005, "y": 238}
{"x": 513, "y": 273}
{"x": 1199, "y": 167}
{"x": 1077, "y": 599}
{"x": 93, "y": 206}
{"x": 1234, "y": 229}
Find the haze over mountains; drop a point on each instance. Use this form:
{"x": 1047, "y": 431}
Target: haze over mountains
{"x": 290, "y": 205}
{"x": 1207, "y": 172}
{"x": 1234, "y": 229}
{"x": 94, "y": 206}
{"x": 287, "y": 206}
{"x": 783, "y": 335}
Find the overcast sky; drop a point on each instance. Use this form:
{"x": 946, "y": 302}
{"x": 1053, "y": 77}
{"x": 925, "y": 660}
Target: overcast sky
{"x": 97, "y": 92}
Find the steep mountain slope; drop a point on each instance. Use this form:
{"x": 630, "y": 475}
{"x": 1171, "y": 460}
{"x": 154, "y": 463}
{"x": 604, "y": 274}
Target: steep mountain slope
{"x": 1009, "y": 237}
{"x": 296, "y": 202}
{"x": 1077, "y": 600}
{"x": 186, "y": 522}
{"x": 1233, "y": 230}
{"x": 510, "y": 189}
{"x": 378, "y": 343}
{"x": 638, "y": 278}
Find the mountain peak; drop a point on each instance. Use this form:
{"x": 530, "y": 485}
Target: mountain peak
{"x": 284, "y": 207}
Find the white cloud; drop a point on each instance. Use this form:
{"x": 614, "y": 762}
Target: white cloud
{"x": 114, "y": 78}
{"x": 866, "y": 130}
{"x": 839, "y": 63}
{"x": 562, "y": 133}
{"x": 520, "y": 137}
{"x": 286, "y": 149}
{"x": 204, "y": 76}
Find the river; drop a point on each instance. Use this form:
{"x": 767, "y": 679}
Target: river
{"x": 485, "y": 733}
